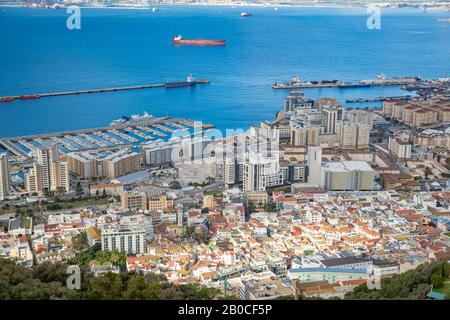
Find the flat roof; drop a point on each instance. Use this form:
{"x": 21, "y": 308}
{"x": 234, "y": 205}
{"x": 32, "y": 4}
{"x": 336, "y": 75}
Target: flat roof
{"x": 352, "y": 165}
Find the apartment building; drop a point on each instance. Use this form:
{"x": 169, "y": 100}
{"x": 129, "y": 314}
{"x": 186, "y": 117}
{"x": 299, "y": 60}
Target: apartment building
{"x": 129, "y": 239}
{"x": 133, "y": 200}
{"x": 48, "y": 171}
{"x": 160, "y": 203}
{"x": 261, "y": 172}
{"x": 400, "y": 147}
{"x": 4, "y": 176}
{"x": 95, "y": 164}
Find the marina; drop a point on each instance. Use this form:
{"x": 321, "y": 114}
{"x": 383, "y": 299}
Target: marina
{"x": 123, "y": 132}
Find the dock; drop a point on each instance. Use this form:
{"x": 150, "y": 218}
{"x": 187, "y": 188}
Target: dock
{"x": 66, "y": 93}
{"x": 395, "y": 98}
{"x": 296, "y": 83}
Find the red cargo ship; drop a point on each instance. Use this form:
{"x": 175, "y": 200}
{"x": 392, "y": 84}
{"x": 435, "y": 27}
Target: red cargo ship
{"x": 178, "y": 40}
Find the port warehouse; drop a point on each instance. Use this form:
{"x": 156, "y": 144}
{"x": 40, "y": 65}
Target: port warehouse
{"x": 113, "y": 136}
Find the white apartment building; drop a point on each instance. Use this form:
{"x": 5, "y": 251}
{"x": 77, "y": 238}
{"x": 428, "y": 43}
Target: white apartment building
{"x": 261, "y": 171}
{"x": 131, "y": 239}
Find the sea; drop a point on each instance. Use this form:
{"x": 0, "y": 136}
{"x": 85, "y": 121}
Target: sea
{"x": 125, "y": 47}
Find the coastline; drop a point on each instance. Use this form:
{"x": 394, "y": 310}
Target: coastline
{"x": 227, "y": 5}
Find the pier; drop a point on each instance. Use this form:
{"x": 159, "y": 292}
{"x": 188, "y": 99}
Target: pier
{"x": 395, "y": 98}
{"x": 296, "y": 83}
{"x": 66, "y": 93}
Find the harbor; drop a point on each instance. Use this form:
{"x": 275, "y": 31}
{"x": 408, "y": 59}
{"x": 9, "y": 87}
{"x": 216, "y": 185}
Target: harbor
{"x": 122, "y": 132}
{"x": 190, "y": 81}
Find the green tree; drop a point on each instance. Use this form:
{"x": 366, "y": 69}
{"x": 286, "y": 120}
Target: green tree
{"x": 79, "y": 189}
{"x": 80, "y": 242}
{"x": 437, "y": 280}
{"x": 174, "y": 185}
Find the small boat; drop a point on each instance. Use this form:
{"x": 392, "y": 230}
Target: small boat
{"x": 155, "y": 9}
{"x": 444, "y": 20}
{"x": 246, "y": 14}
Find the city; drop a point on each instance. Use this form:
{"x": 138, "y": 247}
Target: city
{"x": 324, "y": 199}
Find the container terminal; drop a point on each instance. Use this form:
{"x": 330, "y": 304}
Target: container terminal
{"x": 126, "y": 131}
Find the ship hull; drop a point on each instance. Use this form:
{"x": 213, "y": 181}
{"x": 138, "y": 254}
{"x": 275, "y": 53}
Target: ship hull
{"x": 179, "y": 84}
{"x": 199, "y": 42}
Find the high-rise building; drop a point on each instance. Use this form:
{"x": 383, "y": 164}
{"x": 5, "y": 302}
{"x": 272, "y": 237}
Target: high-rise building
{"x": 296, "y": 99}
{"x": 232, "y": 170}
{"x": 314, "y": 165}
{"x": 400, "y": 147}
{"x": 60, "y": 176}
{"x": 48, "y": 172}
{"x": 47, "y": 155}
{"x": 261, "y": 171}
{"x": 353, "y": 135}
{"x": 304, "y": 133}
{"x": 330, "y": 116}
{"x": 4, "y": 176}
{"x": 33, "y": 180}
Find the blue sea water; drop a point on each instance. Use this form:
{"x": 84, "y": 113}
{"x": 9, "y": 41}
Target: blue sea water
{"x": 120, "y": 47}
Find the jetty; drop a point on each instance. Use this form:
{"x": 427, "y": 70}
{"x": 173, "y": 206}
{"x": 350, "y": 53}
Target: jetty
{"x": 113, "y": 89}
{"x": 297, "y": 83}
{"x": 395, "y": 98}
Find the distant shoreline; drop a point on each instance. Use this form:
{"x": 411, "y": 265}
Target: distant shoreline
{"x": 228, "y": 5}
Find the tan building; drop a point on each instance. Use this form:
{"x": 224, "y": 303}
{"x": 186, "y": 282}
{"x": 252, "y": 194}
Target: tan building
{"x": 89, "y": 165}
{"x": 160, "y": 203}
{"x": 419, "y": 113}
{"x": 60, "y": 176}
{"x": 4, "y": 176}
{"x": 432, "y": 138}
{"x": 353, "y": 135}
{"x": 110, "y": 189}
{"x": 48, "y": 172}
{"x": 400, "y": 147}
{"x": 117, "y": 166}
{"x": 33, "y": 178}
{"x": 209, "y": 201}
{"x": 347, "y": 176}
{"x": 330, "y": 116}
{"x": 133, "y": 200}
{"x": 258, "y": 198}
{"x": 305, "y": 134}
